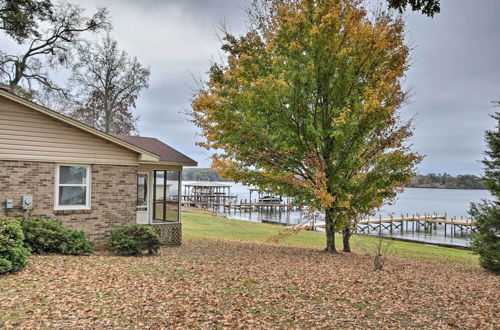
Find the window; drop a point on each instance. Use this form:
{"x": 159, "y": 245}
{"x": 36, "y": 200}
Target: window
{"x": 72, "y": 187}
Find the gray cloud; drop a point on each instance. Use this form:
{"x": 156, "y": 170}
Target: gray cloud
{"x": 178, "y": 40}
{"x": 455, "y": 72}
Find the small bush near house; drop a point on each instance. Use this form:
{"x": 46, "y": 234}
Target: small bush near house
{"x": 134, "y": 240}
{"x": 13, "y": 254}
{"x": 75, "y": 242}
{"x": 49, "y": 235}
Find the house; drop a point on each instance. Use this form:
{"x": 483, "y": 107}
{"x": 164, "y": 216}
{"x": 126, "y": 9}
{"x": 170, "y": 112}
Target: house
{"x": 54, "y": 166}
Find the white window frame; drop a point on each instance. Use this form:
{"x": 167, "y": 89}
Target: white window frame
{"x": 86, "y": 184}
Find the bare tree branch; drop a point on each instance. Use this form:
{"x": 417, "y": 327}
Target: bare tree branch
{"x": 109, "y": 83}
{"x": 50, "y": 48}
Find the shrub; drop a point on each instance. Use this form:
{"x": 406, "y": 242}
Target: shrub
{"x": 486, "y": 239}
{"x": 134, "y": 239}
{"x": 42, "y": 235}
{"x": 75, "y": 242}
{"x": 377, "y": 248}
{"x": 13, "y": 254}
{"x": 49, "y": 235}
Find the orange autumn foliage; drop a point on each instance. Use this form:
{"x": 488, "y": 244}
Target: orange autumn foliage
{"x": 307, "y": 104}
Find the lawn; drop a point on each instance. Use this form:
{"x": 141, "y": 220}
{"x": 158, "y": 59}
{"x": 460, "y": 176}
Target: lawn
{"x": 244, "y": 281}
{"x": 205, "y": 225}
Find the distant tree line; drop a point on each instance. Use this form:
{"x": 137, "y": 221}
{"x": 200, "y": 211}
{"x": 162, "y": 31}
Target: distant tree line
{"x": 431, "y": 180}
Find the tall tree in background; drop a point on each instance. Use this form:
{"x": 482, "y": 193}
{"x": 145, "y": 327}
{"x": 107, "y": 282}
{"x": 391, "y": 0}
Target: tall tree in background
{"x": 107, "y": 83}
{"x": 486, "y": 241}
{"x": 47, "y": 48}
{"x": 427, "y": 7}
{"x": 307, "y": 105}
{"x": 20, "y": 19}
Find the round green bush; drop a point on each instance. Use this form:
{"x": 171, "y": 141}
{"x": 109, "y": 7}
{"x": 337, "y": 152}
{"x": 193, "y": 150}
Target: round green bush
{"x": 75, "y": 242}
{"x": 13, "y": 254}
{"x": 49, "y": 235}
{"x": 134, "y": 240}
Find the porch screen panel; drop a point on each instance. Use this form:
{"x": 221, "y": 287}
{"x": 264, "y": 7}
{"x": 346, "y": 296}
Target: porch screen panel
{"x": 166, "y": 195}
{"x": 172, "y": 196}
{"x": 158, "y": 194}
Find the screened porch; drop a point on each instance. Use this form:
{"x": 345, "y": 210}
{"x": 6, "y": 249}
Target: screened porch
{"x": 158, "y": 196}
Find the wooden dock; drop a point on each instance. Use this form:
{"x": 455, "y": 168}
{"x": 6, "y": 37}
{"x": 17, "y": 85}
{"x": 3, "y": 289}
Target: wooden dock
{"x": 426, "y": 223}
{"x": 216, "y": 196}
{"x": 243, "y": 206}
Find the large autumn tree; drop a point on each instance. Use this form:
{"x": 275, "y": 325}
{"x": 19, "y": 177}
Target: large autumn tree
{"x": 307, "y": 104}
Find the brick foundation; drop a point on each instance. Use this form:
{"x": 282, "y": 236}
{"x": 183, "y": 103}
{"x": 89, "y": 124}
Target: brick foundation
{"x": 113, "y": 196}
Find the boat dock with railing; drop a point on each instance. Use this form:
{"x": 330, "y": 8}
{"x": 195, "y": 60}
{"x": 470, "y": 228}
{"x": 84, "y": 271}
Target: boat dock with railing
{"x": 216, "y": 196}
{"x": 415, "y": 223}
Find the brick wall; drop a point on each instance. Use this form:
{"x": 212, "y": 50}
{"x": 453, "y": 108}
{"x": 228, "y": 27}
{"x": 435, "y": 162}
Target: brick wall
{"x": 114, "y": 192}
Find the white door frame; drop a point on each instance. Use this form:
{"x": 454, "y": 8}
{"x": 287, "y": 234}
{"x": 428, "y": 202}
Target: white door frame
{"x": 147, "y": 214}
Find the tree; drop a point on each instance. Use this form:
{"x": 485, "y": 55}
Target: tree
{"x": 108, "y": 83}
{"x": 428, "y": 7}
{"x": 48, "y": 48}
{"x": 20, "y": 18}
{"x": 486, "y": 240}
{"x": 307, "y": 105}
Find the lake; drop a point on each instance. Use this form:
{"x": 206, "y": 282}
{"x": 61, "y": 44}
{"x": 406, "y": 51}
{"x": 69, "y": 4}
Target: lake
{"x": 452, "y": 202}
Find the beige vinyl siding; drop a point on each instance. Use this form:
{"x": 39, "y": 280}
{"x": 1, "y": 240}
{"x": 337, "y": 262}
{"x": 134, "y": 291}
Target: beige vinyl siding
{"x": 26, "y": 134}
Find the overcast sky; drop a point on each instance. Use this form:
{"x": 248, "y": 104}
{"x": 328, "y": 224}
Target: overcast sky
{"x": 455, "y": 71}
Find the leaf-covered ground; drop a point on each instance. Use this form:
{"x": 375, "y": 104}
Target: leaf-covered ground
{"x": 209, "y": 283}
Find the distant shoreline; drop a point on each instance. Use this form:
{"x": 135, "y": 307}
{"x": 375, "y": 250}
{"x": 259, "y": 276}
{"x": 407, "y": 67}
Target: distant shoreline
{"x": 451, "y": 188}
{"x": 429, "y": 181}
{"x": 416, "y": 187}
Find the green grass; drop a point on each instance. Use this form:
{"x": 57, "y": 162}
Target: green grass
{"x": 202, "y": 224}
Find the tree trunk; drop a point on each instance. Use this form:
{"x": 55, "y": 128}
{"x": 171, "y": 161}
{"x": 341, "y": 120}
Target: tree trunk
{"x": 18, "y": 75}
{"x": 330, "y": 231}
{"x": 107, "y": 119}
{"x": 346, "y": 236}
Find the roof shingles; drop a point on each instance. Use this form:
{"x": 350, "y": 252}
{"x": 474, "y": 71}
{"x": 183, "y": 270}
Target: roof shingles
{"x": 165, "y": 152}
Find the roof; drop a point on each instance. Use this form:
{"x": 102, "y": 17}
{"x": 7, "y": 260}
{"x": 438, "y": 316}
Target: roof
{"x": 144, "y": 154}
{"x": 166, "y": 152}
{"x": 150, "y": 150}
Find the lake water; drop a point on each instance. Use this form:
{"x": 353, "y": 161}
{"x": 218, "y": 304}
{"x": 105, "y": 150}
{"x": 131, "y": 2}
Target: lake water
{"x": 452, "y": 202}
